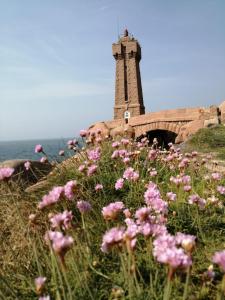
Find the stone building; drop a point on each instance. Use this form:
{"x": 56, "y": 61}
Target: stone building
{"x": 128, "y": 89}
{"x": 174, "y": 125}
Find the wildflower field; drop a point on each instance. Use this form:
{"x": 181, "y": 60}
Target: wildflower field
{"x": 120, "y": 220}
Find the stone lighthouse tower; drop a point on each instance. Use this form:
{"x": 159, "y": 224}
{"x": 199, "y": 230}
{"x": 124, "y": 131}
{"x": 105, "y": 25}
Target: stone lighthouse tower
{"x": 128, "y": 90}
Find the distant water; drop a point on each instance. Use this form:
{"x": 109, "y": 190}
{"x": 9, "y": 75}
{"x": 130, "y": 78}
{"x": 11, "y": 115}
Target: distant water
{"x": 25, "y": 149}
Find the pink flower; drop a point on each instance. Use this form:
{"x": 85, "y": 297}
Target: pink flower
{"x": 60, "y": 243}
{"x": 221, "y": 189}
{"x": 44, "y": 297}
{"x": 94, "y": 155}
{"x": 152, "y": 155}
{"x": 165, "y": 250}
{"x": 70, "y": 188}
{"x": 83, "y": 206}
{"x": 43, "y": 159}
{"x": 130, "y": 174}
{"x": 52, "y": 197}
{"x": 153, "y": 199}
{"x": 115, "y": 154}
{"x": 91, "y": 170}
{"x": 61, "y": 153}
{"x": 171, "y": 196}
{"x": 216, "y": 176}
{"x": 6, "y": 173}
{"x": 81, "y": 168}
{"x": 115, "y": 144}
{"x": 184, "y": 163}
{"x": 153, "y": 173}
{"x": 197, "y": 200}
{"x": 187, "y": 188}
{"x": 126, "y": 160}
{"x": 83, "y": 133}
{"x": 39, "y": 284}
{"x": 111, "y": 238}
{"x": 38, "y": 149}
{"x": 219, "y": 259}
{"x": 62, "y": 220}
{"x": 125, "y": 142}
{"x": 187, "y": 241}
{"x": 142, "y": 213}
{"x": 177, "y": 180}
{"x": 186, "y": 179}
{"x": 127, "y": 213}
{"x": 119, "y": 184}
{"x": 111, "y": 211}
{"x": 70, "y": 143}
{"x": 27, "y": 165}
{"x": 98, "y": 187}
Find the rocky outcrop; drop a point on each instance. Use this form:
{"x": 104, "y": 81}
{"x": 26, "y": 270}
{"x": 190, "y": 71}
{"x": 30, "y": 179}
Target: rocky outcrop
{"x": 189, "y": 129}
{"x": 123, "y": 131}
{"x": 36, "y": 171}
{"x": 99, "y": 126}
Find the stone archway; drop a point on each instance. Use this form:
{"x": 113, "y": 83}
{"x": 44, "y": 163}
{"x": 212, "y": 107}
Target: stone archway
{"x": 164, "y": 137}
{"x": 158, "y": 125}
{"x": 165, "y": 132}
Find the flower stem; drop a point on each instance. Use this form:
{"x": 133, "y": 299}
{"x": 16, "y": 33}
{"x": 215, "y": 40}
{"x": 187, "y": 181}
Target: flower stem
{"x": 186, "y": 284}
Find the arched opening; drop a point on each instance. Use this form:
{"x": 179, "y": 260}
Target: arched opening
{"x": 163, "y": 136}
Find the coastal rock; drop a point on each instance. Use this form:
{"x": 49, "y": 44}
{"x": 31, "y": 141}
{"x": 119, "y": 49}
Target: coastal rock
{"x": 99, "y": 126}
{"x": 123, "y": 131}
{"x": 36, "y": 171}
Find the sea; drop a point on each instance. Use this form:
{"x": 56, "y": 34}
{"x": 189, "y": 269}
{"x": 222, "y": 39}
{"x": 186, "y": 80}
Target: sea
{"x": 25, "y": 149}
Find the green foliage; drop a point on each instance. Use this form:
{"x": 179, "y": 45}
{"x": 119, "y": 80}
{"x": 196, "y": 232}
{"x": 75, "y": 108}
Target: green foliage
{"x": 210, "y": 139}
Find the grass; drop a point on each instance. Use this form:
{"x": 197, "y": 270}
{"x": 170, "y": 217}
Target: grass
{"x": 89, "y": 273}
{"x": 209, "y": 140}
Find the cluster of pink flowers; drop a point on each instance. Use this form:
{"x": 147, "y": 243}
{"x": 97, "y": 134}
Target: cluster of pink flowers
{"x": 216, "y": 176}
{"x": 152, "y": 155}
{"x": 130, "y": 174}
{"x": 120, "y": 153}
{"x": 119, "y": 184}
{"x": 6, "y": 173}
{"x": 91, "y": 170}
{"x": 166, "y": 250}
{"x": 94, "y": 154}
{"x": 111, "y": 211}
{"x": 150, "y": 225}
{"x": 153, "y": 199}
{"x": 221, "y": 189}
{"x": 112, "y": 238}
{"x": 52, "y": 197}
{"x": 60, "y": 243}
{"x": 197, "y": 200}
{"x": 62, "y": 220}
{"x": 57, "y": 193}
{"x": 125, "y": 142}
{"x": 70, "y": 188}
{"x": 181, "y": 179}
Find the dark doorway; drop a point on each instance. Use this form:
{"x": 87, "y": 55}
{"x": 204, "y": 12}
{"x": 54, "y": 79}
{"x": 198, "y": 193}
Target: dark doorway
{"x": 163, "y": 136}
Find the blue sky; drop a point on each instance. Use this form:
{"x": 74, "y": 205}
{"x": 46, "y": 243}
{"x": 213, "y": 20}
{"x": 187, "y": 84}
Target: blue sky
{"x": 57, "y": 71}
